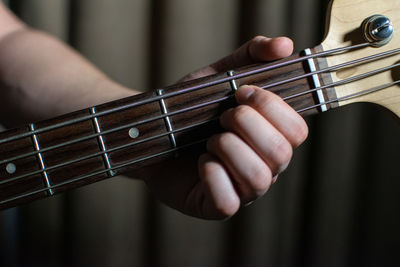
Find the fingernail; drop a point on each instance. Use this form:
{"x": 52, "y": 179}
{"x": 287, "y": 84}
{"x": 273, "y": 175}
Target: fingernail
{"x": 247, "y": 204}
{"x": 262, "y": 39}
{"x": 244, "y": 92}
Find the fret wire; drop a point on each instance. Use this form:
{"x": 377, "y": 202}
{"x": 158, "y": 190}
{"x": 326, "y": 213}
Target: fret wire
{"x": 232, "y": 82}
{"x": 190, "y": 89}
{"x": 101, "y": 142}
{"x": 40, "y": 158}
{"x": 345, "y": 81}
{"x": 188, "y": 145}
{"x": 166, "y": 118}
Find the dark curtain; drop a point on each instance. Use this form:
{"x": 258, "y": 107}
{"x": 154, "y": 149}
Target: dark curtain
{"x": 336, "y": 205}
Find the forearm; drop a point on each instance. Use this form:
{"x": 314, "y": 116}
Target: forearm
{"x": 41, "y": 77}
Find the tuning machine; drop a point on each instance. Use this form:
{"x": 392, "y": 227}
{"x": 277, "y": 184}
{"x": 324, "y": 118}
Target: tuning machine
{"x": 378, "y": 30}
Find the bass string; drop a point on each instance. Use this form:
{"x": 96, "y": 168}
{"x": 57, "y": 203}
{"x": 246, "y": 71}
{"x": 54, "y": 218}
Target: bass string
{"x": 336, "y": 67}
{"x": 187, "y": 90}
{"x": 350, "y": 96}
{"x": 268, "y": 86}
{"x": 344, "y": 81}
{"x": 129, "y": 163}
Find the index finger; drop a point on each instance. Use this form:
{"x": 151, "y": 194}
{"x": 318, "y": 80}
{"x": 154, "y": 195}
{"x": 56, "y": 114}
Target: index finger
{"x": 258, "y": 49}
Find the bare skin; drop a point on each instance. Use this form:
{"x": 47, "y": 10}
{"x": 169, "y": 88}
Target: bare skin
{"x": 41, "y": 77}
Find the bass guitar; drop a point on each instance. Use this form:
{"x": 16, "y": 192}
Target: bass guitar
{"x": 359, "y": 61}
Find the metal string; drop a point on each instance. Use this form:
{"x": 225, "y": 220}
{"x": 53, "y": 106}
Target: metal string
{"x": 186, "y": 90}
{"x": 126, "y": 164}
{"x": 350, "y": 96}
{"x": 345, "y": 81}
{"x": 336, "y": 67}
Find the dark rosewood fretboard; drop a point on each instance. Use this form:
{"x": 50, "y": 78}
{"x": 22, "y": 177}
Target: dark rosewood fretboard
{"x": 86, "y": 146}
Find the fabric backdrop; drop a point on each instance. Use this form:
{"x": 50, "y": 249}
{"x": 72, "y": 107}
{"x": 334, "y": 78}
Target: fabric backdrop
{"x": 336, "y": 205}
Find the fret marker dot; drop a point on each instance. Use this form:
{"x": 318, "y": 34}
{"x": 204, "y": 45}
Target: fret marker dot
{"x": 11, "y": 168}
{"x": 133, "y": 133}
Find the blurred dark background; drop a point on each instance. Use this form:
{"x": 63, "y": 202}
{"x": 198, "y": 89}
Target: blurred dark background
{"x": 337, "y": 204}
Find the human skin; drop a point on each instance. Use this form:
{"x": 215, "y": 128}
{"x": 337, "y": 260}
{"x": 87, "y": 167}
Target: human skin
{"x": 41, "y": 77}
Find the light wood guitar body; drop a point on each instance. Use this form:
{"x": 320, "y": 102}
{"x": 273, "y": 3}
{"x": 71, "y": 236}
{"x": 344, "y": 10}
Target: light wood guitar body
{"x": 343, "y": 29}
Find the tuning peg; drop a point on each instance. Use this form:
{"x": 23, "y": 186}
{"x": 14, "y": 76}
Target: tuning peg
{"x": 378, "y": 30}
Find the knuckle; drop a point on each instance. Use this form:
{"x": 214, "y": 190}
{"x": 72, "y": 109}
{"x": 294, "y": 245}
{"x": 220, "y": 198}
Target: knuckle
{"x": 300, "y": 134}
{"x": 257, "y": 38}
{"x": 219, "y": 141}
{"x": 282, "y": 153}
{"x": 264, "y": 98}
{"x": 241, "y": 113}
{"x": 225, "y": 139}
{"x": 208, "y": 169}
{"x": 260, "y": 181}
{"x": 227, "y": 208}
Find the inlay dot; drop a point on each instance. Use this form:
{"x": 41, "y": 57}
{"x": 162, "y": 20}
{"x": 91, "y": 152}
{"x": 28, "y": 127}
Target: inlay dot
{"x": 11, "y": 168}
{"x": 133, "y": 133}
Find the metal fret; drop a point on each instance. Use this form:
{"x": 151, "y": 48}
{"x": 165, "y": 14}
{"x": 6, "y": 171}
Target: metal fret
{"x": 40, "y": 158}
{"x": 232, "y": 82}
{"x": 102, "y": 145}
{"x": 315, "y": 78}
{"x": 166, "y": 118}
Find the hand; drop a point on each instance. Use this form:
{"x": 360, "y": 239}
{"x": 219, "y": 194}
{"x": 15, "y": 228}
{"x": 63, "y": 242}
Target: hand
{"x": 241, "y": 164}
{"x": 256, "y": 50}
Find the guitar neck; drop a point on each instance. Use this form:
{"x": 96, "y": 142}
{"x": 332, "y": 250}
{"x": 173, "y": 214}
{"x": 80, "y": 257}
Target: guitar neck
{"x": 86, "y": 146}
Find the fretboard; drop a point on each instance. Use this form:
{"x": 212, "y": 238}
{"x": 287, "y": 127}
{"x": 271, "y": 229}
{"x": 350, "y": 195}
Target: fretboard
{"x": 49, "y": 157}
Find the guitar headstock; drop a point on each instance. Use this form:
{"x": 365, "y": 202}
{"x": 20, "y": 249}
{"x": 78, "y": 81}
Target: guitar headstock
{"x": 344, "y": 28}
